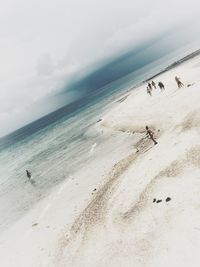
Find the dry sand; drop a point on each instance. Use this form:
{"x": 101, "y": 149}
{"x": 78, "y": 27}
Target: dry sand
{"x": 106, "y": 216}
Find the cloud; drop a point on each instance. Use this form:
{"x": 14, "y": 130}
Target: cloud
{"x": 45, "y": 65}
{"x": 46, "y": 43}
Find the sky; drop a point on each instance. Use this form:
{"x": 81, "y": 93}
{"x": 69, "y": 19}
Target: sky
{"x": 52, "y": 46}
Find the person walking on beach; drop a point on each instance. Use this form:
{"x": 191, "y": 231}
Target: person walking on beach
{"x": 149, "y": 133}
{"x": 28, "y": 174}
{"x": 149, "y": 91}
{"x": 149, "y": 85}
{"x": 153, "y": 84}
{"x": 161, "y": 85}
{"x": 179, "y": 83}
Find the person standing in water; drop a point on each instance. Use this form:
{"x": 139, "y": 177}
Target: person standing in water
{"x": 28, "y": 174}
{"x": 179, "y": 83}
{"x": 149, "y": 133}
{"x": 153, "y": 84}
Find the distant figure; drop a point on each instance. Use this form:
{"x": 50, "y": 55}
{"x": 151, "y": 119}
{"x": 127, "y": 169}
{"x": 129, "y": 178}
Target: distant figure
{"x": 161, "y": 85}
{"x": 149, "y": 91}
{"x": 153, "y": 84}
{"x": 149, "y": 133}
{"x": 149, "y": 85}
{"x": 179, "y": 83}
{"x": 28, "y": 174}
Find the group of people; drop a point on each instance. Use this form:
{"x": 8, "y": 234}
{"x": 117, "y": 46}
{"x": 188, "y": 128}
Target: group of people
{"x": 152, "y": 85}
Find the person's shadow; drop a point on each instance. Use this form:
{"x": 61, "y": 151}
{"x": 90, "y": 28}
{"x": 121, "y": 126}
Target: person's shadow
{"x": 33, "y": 182}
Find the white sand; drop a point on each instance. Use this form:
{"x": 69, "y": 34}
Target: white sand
{"x": 118, "y": 224}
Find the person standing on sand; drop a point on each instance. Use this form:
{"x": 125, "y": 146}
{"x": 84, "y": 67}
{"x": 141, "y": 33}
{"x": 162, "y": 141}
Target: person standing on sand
{"x": 153, "y": 84}
{"x": 149, "y": 91}
{"x": 149, "y": 85}
{"x": 179, "y": 83}
{"x": 149, "y": 133}
{"x": 28, "y": 174}
{"x": 161, "y": 85}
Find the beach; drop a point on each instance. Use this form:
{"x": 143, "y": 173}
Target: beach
{"x": 104, "y": 214}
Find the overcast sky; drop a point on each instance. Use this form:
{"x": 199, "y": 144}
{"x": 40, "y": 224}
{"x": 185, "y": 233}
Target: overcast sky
{"x": 43, "y": 43}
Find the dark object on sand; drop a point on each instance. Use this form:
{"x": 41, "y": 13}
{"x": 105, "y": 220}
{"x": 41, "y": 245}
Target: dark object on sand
{"x": 95, "y": 189}
{"x": 159, "y": 200}
{"x": 190, "y": 84}
{"x": 168, "y": 199}
{"x": 154, "y": 200}
{"x": 99, "y": 120}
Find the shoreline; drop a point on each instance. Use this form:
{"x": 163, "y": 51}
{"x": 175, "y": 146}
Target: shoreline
{"x": 105, "y": 214}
